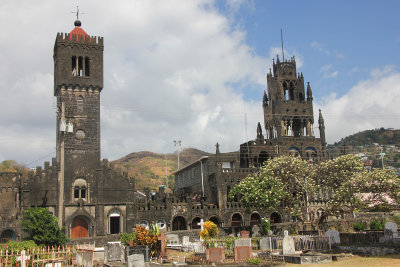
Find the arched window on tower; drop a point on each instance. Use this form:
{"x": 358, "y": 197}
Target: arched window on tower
{"x": 87, "y": 68}
{"x": 291, "y": 91}
{"x": 80, "y": 66}
{"x": 74, "y": 70}
{"x": 79, "y": 104}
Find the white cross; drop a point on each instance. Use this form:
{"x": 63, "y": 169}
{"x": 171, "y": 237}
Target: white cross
{"x": 23, "y": 258}
{"x": 201, "y": 223}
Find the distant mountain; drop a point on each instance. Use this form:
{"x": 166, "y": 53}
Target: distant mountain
{"x": 380, "y": 136}
{"x": 150, "y": 169}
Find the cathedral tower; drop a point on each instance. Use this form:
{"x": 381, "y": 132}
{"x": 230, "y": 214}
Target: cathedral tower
{"x": 78, "y": 81}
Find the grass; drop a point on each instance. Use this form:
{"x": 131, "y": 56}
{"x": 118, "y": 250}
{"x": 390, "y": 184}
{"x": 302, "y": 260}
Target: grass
{"x": 358, "y": 261}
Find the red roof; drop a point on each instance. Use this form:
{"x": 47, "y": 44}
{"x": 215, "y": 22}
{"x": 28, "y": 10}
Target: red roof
{"x": 77, "y": 31}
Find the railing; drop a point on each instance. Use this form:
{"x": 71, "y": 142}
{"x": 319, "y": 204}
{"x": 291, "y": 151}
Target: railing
{"x": 60, "y": 256}
{"x": 311, "y": 242}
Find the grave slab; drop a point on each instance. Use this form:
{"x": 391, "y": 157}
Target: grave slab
{"x": 242, "y": 253}
{"x": 215, "y": 255}
{"x": 136, "y": 260}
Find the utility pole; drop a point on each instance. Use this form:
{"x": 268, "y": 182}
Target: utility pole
{"x": 166, "y": 169}
{"x": 178, "y": 144}
{"x": 64, "y": 128}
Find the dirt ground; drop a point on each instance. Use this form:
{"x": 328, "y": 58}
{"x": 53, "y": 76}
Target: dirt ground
{"x": 358, "y": 261}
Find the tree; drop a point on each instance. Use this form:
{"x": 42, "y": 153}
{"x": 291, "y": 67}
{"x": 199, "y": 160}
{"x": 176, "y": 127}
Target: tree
{"x": 43, "y": 227}
{"x": 282, "y": 180}
{"x": 350, "y": 186}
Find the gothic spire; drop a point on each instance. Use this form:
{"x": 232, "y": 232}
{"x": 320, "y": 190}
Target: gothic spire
{"x": 217, "y": 149}
{"x": 321, "y": 128}
{"x": 265, "y": 99}
{"x": 309, "y": 92}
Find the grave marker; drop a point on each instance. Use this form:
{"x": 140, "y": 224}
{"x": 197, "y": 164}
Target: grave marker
{"x": 215, "y": 255}
{"x": 334, "y": 237}
{"x": 136, "y": 260}
{"x": 23, "y": 258}
{"x": 242, "y": 253}
{"x": 288, "y": 244}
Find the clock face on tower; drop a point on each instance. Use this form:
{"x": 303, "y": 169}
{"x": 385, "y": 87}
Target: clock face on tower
{"x": 80, "y": 134}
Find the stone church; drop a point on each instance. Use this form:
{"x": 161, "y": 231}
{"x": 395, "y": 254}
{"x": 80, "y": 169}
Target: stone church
{"x": 91, "y": 199}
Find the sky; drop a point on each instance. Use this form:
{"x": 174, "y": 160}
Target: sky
{"x": 195, "y": 70}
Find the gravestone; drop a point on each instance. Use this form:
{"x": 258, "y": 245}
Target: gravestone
{"x": 136, "y": 260}
{"x": 173, "y": 239}
{"x": 201, "y": 224}
{"x": 391, "y": 230}
{"x": 215, "y": 255}
{"x": 23, "y": 258}
{"x": 242, "y": 253}
{"x": 256, "y": 231}
{"x": 243, "y": 242}
{"x": 187, "y": 246}
{"x": 265, "y": 243}
{"x": 114, "y": 251}
{"x": 144, "y": 250}
{"x": 163, "y": 257}
{"x": 198, "y": 247}
{"x": 288, "y": 244}
{"x": 244, "y": 234}
{"x": 334, "y": 237}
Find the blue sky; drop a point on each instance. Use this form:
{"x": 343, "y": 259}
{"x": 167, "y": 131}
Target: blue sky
{"x": 194, "y": 70}
{"x": 352, "y": 37}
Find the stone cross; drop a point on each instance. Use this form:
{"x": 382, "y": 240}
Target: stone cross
{"x": 23, "y": 258}
{"x": 201, "y": 223}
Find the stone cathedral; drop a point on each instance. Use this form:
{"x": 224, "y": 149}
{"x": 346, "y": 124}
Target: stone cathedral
{"x": 91, "y": 199}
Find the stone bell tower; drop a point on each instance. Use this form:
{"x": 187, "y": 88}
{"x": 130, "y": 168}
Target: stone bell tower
{"x": 78, "y": 81}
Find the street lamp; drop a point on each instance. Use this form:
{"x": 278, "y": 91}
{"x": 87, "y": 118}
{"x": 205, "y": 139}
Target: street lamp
{"x": 177, "y": 143}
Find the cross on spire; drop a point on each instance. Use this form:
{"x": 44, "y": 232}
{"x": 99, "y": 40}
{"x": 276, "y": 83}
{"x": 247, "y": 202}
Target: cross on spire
{"x": 77, "y": 12}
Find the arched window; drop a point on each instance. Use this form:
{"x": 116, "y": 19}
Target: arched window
{"x": 144, "y": 223}
{"x": 161, "y": 224}
{"x": 74, "y": 67}
{"x": 79, "y": 104}
{"x": 236, "y": 220}
{"x": 87, "y": 69}
{"x": 196, "y": 223}
{"x": 255, "y": 219}
{"x": 79, "y": 189}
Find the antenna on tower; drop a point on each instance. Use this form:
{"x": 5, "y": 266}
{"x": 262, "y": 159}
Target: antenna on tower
{"x": 283, "y": 53}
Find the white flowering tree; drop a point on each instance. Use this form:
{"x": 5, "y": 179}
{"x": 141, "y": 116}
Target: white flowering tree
{"x": 350, "y": 186}
{"x": 283, "y": 180}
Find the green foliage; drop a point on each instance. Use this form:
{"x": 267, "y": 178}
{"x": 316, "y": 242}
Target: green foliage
{"x": 127, "y": 238}
{"x": 14, "y": 245}
{"x": 254, "y": 261}
{"x": 265, "y": 226}
{"x": 283, "y": 180}
{"x": 377, "y": 224}
{"x": 144, "y": 237}
{"x": 13, "y": 166}
{"x": 43, "y": 227}
{"x": 358, "y": 226}
{"x": 396, "y": 219}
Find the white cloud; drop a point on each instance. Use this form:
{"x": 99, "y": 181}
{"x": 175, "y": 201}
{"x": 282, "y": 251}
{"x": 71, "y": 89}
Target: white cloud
{"x": 370, "y": 104}
{"x": 172, "y": 70}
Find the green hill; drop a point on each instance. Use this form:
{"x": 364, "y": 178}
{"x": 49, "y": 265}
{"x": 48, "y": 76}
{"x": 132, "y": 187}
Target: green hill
{"x": 151, "y": 169}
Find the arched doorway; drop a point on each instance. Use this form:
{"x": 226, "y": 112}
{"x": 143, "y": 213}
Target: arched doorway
{"x": 215, "y": 220}
{"x": 178, "y": 223}
{"x": 8, "y": 235}
{"x": 236, "y": 220}
{"x": 263, "y": 156}
{"x": 275, "y": 218}
{"x": 79, "y": 228}
{"x": 115, "y": 222}
{"x": 255, "y": 219}
{"x": 196, "y": 223}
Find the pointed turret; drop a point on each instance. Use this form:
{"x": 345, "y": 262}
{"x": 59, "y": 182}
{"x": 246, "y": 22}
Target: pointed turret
{"x": 321, "y": 127}
{"x": 260, "y": 137}
{"x": 265, "y": 99}
{"x": 309, "y": 92}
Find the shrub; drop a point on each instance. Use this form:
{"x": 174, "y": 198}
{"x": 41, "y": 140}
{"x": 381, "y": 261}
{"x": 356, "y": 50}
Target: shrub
{"x": 358, "y": 226}
{"x": 377, "y": 224}
{"x": 143, "y": 237}
{"x": 210, "y": 230}
{"x": 14, "y": 245}
{"x": 255, "y": 261}
{"x": 265, "y": 226}
{"x": 43, "y": 227}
